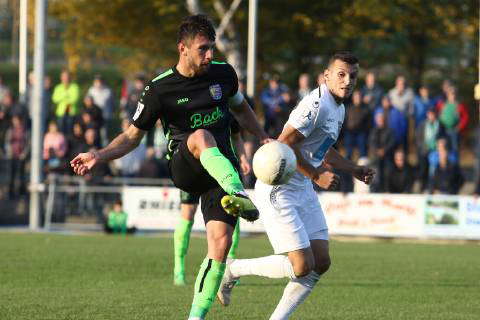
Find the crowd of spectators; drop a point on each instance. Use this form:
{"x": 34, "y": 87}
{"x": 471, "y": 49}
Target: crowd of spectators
{"x": 381, "y": 127}
{"x": 388, "y": 129}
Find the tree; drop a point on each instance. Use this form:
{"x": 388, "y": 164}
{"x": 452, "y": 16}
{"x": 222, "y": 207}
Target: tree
{"x": 228, "y": 41}
{"x": 139, "y": 34}
{"x": 293, "y": 36}
{"x": 414, "y": 28}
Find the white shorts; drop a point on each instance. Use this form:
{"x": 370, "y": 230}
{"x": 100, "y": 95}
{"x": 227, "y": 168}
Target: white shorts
{"x": 291, "y": 216}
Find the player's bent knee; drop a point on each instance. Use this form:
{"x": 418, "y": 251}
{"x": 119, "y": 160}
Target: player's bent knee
{"x": 302, "y": 268}
{"x": 199, "y": 140}
{"x": 201, "y": 136}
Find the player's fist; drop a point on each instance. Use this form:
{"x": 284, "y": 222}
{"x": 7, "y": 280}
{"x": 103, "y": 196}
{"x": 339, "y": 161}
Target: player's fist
{"x": 327, "y": 180}
{"x": 364, "y": 174}
{"x": 84, "y": 162}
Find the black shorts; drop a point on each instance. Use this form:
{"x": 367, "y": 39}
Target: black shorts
{"x": 189, "y": 198}
{"x": 189, "y": 175}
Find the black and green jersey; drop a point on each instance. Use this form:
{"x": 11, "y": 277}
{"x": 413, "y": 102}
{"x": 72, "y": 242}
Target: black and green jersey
{"x": 187, "y": 104}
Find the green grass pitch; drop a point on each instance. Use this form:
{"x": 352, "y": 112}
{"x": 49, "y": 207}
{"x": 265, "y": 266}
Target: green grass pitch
{"x": 51, "y": 276}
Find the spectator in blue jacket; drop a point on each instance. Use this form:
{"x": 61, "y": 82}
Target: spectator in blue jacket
{"x": 443, "y": 148}
{"x": 421, "y": 104}
{"x": 447, "y": 177}
{"x": 272, "y": 99}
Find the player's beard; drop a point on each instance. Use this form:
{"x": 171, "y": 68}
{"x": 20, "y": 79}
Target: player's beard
{"x": 338, "y": 99}
{"x": 203, "y": 68}
{"x": 199, "y": 69}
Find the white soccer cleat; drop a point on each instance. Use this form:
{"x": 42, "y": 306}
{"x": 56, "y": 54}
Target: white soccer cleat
{"x": 226, "y": 286}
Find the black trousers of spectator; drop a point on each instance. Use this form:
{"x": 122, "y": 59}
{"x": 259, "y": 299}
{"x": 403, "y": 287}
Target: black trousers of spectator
{"x": 382, "y": 165}
{"x": 423, "y": 168}
{"x": 17, "y": 172}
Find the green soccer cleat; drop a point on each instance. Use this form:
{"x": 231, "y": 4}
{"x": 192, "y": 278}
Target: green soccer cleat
{"x": 179, "y": 279}
{"x": 239, "y": 205}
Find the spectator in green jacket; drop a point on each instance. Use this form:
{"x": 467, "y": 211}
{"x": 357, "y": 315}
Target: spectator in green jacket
{"x": 454, "y": 116}
{"x": 66, "y": 97}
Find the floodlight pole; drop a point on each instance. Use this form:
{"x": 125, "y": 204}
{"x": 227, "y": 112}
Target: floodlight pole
{"x": 22, "y": 60}
{"x": 252, "y": 46}
{"x": 37, "y": 110}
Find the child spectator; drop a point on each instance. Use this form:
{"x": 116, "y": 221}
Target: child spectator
{"x": 117, "y": 219}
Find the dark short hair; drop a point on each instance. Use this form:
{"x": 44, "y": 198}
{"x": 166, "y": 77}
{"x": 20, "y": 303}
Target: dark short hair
{"x": 344, "y": 56}
{"x": 194, "y": 25}
{"x": 275, "y": 77}
{"x": 140, "y": 77}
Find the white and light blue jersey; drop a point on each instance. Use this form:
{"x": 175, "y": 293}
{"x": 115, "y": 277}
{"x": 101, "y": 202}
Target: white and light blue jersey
{"x": 319, "y": 118}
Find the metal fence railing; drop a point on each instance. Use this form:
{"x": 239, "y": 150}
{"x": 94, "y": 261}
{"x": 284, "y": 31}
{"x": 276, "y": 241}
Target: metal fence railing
{"x": 74, "y": 196}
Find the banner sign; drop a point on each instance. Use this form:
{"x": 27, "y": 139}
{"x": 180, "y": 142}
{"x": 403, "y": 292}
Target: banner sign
{"x": 158, "y": 208}
{"x": 373, "y": 214}
{"x": 378, "y": 215}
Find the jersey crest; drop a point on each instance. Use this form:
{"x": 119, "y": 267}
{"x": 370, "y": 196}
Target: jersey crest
{"x": 216, "y": 91}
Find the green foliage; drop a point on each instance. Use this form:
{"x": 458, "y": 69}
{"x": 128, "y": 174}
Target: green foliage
{"x": 49, "y": 276}
{"x": 426, "y": 40}
{"x": 292, "y": 34}
{"x": 146, "y": 28}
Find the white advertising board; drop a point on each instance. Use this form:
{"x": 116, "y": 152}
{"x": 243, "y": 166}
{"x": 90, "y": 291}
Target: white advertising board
{"x": 158, "y": 208}
{"x": 381, "y": 215}
{"x": 373, "y": 214}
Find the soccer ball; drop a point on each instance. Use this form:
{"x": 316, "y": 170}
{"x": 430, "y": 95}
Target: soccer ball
{"x": 274, "y": 163}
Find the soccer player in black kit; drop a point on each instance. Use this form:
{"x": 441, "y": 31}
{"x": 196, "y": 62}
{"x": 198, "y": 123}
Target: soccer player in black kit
{"x": 192, "y": 99}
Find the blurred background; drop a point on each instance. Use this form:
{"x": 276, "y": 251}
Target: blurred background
{"x": 413, "y": 116}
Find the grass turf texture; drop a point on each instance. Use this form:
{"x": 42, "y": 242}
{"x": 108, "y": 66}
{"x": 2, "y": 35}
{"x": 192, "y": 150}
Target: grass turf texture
{"x": 49, "y": 276}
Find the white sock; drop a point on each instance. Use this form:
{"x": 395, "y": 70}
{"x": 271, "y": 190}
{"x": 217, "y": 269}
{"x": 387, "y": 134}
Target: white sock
{"x": 296, "y": 291}
{"x": 275, "y": 266}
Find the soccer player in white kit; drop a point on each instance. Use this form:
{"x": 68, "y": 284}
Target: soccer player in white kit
{"x": 291, "y": 213}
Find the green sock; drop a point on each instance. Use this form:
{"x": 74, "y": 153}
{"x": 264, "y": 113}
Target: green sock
{"x": 181, "y": 239}
{"x": 221, "y": 169}
{"x": 206, "y": 286}
{"x": 235, "y": 238}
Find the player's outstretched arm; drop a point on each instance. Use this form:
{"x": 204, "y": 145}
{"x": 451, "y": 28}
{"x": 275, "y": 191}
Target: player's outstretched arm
{"x": 241, "y": 154}
{"x": 120, "y": 146}
{"x": 248, "y": 120}
{"x": 337, "y": 161}
{"x": 321, "y": 176}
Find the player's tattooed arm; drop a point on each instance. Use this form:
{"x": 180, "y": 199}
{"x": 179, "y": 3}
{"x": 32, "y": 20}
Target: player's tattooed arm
{"x": 248, "y": 120}
{"x": 122, "y": 144}
{"x": 337, "y": 161}
{"x": 321, "y": 175}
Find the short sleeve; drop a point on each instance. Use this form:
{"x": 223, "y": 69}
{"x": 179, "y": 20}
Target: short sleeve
{"x": 306, "y": 116}
{"x": 148, "y": 109}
